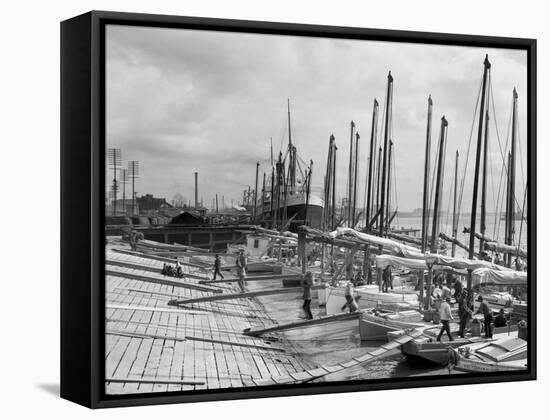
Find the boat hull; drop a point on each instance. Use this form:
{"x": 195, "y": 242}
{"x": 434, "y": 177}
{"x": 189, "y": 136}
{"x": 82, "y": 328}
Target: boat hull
{"x": 369, "y": 297}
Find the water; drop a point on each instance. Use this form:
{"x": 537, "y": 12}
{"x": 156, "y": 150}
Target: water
{"x": 329, "y": 344}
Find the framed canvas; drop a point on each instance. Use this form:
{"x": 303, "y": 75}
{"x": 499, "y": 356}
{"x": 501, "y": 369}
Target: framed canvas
{"x": 257, "y": 209}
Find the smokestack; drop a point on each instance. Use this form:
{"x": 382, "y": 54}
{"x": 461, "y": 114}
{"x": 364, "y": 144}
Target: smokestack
{"x": 196, "y": 190}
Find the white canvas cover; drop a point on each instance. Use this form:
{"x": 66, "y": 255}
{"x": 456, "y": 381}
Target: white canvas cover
{"x": 486, "y": 276}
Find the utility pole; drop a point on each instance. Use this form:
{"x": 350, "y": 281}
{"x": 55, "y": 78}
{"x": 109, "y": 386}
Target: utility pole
{"x": 196, "y": 190}
{"x": 115, "y": 160}
{"x": 133, "y": 173}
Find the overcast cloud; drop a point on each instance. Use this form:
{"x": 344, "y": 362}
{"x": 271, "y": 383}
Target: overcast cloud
{"x": 181, "y": 101}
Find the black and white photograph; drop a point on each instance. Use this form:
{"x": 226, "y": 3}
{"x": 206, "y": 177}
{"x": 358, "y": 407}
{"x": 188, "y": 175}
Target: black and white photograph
{"x": 290, "y": 210}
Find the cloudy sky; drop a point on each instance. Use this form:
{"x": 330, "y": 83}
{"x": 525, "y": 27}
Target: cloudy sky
{"x": 181, "y": 101}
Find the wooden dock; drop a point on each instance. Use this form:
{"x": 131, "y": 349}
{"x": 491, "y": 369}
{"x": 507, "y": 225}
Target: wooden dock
{"x": 153, "y": 347}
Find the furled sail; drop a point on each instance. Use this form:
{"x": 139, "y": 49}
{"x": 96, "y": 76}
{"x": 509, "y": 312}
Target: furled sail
{"x": 485, "y": 276}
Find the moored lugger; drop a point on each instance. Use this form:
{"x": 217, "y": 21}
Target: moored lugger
{"x": 505, "y": 354}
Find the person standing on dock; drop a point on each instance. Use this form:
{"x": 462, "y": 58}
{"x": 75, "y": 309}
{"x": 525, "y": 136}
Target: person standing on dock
{"x": 350, "y": 299}
{"x": 217, "y": 267}
{"x": 458, "y": 289}
{"x": 241, "y": 268}
{"x": 464, "y": 312}
{"x": 487, "y": 316}
{"x": 445, "y": 317}
{"x": 307, "y": 283}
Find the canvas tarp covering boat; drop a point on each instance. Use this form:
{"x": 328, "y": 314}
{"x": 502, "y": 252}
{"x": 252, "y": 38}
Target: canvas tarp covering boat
{"x": 383, "y": 261}
{"x": 393, "y": 246}
{"x": 486, "y": 276}
{"x": 507, "y": 249}
{"x": 461, "y": 263}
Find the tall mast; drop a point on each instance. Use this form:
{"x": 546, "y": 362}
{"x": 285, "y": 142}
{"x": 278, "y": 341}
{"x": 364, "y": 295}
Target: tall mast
{"x": 508, "y": 210}
{"x": 292, "y": 155}
{"x": 385, "y": 159}
{"x": 262, "y": 214}
{"x": 272, "y": 197}
{"x": 378, "y": 169}
{"x": 357, "y": 137}
{"x": 487, "y": 66}
{"x": 512, "y": 169}
{"x": 255, "y": 210}
{"x": 373, "y": 134}
{"x": 455, "y": 219}
{"x": 350, "y": 175}
{"x": 308, "y": 189}
{"x": 425, "y": 196}
{"x": 438, "y": 186}
{"x": 483, "y": 210}
{"x": 333, "y": 221}
{"x": 388, "y": 221}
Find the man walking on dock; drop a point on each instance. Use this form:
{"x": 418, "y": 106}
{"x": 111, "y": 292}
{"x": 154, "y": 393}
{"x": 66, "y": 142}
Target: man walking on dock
{"x": 217, "y": 267}
{"x": 445, "y": 317}
{"x": 307, "y": 283}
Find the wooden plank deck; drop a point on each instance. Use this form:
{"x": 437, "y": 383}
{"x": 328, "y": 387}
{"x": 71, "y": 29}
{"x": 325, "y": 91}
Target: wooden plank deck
{"x": 155, "y": 347}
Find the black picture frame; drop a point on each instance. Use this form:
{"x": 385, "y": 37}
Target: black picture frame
{"x": 82, "y": 205}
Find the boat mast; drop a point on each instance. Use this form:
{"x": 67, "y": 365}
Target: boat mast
{"x": 455, "y": 220}
{"x": 438, "y": 185}
{"x": 388, "y": 221}
{"x": 512, "y": 177}
{"x": 256, "y": 193}
{"x": 483, "y": 212}
{"x": 378, "y": 184}
{"x": 487, "y": 66}
{"x": 384, "y": 161}
{"x": 425, "y": 197}
{"x": 308, "y": 189}
{"x": 262, "y": 214}
{"x": 373, "y": 134}
{"x": 350, "y": 175}
{"x": 354, "y": 215}
{"x": 292, "y": 156}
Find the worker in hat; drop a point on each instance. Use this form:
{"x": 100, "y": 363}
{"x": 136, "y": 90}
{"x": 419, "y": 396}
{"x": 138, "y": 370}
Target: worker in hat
{"x": 241, "y": 268}
{"x": 217, "y": 267}
{"x": 487, "y": 316}
{"x": 464, "y": 312}
{"x": 307, "y": 283}
{"x": 445, "y": 317}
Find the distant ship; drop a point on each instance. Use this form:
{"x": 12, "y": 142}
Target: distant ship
{"x": 289, "y": 201}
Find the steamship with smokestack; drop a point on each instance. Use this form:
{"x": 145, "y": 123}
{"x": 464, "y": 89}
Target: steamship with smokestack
{"x": 287, "y": 198}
